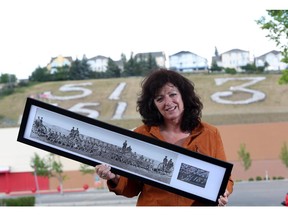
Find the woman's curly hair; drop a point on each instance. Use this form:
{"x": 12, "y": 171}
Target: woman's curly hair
{"x": 153, "y": 83}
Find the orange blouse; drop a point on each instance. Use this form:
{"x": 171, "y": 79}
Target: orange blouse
{"x": 204, "y": 139}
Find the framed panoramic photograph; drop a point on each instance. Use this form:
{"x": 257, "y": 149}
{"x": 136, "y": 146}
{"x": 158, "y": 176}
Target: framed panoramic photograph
{"x": 155, "y": 162}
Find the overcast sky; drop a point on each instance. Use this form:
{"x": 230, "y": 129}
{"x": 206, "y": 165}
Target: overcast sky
{"x": 33, "y": 31}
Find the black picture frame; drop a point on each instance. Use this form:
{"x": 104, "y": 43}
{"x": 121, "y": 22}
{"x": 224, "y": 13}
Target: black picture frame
{"x": 130, "y": 154}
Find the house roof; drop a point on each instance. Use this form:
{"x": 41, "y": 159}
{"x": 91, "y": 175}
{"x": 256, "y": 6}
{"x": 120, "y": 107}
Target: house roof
{"x": 98, "y": 57}
{"x": 69, "y": 58}
{"x": 154, "y": 54}
{"x": 182, "y": 52}
{"x": 275, "y": 52}
{"x": 234, "y": 50}
{"x": 185, "y": 52}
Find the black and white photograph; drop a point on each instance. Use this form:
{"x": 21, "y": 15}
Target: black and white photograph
{"x": 193, "y": 175}
{"x": 130, "y": 154}
{"x": 124, "y": 153}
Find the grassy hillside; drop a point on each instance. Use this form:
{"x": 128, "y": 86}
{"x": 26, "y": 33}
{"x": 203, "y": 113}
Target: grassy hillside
{"x": 273, "y": 109}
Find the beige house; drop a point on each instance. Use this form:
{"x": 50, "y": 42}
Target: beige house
{"x": 59, "y": 61}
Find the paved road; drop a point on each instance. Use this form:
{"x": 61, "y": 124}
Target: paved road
{"x": 100, "y": 197}
{"x": 260, "y": 193}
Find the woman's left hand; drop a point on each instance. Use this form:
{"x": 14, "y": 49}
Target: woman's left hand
{"x": 223, "y": 200}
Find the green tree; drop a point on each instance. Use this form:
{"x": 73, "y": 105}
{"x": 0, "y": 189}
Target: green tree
{"x": 80, "y": 70}
{"x": 251, "y": 68}
{"x": 40, "y": 75}
{"x": 131, "y": 67}
{"x": 284, "y": 77}
{"x": 40, "y": 168}
{"x": 123, "y": 58}
{"x": 141, "y": 66}
{"x": 8, "y": 78}
{"x": 40, "y": 165}
{"x": 215, "y": 67}
{"x": 277, "y": 25}
{"x": 50, "y": 166}
{"x": 284, "y": 154}
{"x": 9, "y": 84}
{"x": 56, "y": 169}
{"x": 61, "y": 73}
{"x": 245, "y": 157}
{"x": 112, "y": 69}
{"x": 148, "y": 64}
{"x": 230, "y": 70}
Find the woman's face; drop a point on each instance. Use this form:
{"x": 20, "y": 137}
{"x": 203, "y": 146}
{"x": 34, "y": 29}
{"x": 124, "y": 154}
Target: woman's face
{"x": 168, "y": 101}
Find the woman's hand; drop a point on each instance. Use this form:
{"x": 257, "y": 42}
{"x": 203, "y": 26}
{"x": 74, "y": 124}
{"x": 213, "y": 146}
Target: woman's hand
{"x": 103, "y": 171}
{"x": 223, "y": 200}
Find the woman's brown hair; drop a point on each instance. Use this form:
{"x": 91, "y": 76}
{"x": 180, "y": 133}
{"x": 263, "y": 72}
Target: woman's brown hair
{"x": 151, "y": 85}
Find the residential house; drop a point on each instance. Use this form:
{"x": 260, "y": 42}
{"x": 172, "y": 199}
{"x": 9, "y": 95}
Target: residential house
{"x": 98, "y": 63}
{"x": 159, "y": 57}
{"x": 59, "y": 61}
{"x": 273, "y": 59}
{"x": 186, "y": 61}
{"x": 235, "y": 58}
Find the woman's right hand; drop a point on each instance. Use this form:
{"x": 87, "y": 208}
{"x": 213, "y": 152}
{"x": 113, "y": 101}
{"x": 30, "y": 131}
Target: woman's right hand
{"x": 103, "y": 171}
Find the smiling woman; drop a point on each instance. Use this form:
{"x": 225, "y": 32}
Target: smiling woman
{"x": 170, "y": 117}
